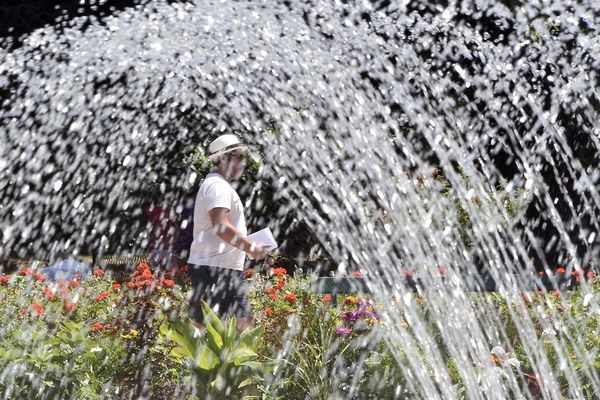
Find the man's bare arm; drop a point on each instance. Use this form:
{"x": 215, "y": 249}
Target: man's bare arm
{"x": 225, "y": 230}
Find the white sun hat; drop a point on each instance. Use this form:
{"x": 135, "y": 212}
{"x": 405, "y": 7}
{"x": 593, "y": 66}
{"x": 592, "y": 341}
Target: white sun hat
{"x": 224, "y": 144}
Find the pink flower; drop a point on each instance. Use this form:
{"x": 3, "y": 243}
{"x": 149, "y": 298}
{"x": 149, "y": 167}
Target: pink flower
{"x": 342, "y": 331}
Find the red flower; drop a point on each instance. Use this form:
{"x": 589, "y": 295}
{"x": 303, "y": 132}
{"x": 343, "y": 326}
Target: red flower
{"x": 248, "y": 273}
{"x": 78, "y": 276}
{"x": 99, "y": 272}
{"x": 561, "y": 270}
{"x": 280, "y": 283}
{"x": 290, "y": 297}
{"x": 38, "y": 309}
{"x": 74, "y": 283}
{"x": 327, "y": 298}
{"x": 116, "y": 286}
{"x": 131, "y": 285}
{"x": 357, "y": 274}
{"x": 25, "y": 271}
{"x": 39, "y": 277}
{"x": 4, "y": 279}
{"x": 102, "y": 296}
{"x": 146, "y": 275}
{"x": 273, "y": 296}
{"x": 268, "y": 312}
{"x": 169, "y": 283}
{"x": 279, "y": 271}
{"x": 143, "y": 267}
{"x": 96, "y": 326}
{"x": 408, "y": 274}
{"x": 69, "y": 307}
{"x": 49, "y": 293}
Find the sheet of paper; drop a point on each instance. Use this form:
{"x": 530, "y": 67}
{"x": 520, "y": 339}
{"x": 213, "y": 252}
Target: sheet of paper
{"x": 264, "y": 236}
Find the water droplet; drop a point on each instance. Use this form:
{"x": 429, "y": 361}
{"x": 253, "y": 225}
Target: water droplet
{"x": 57, "y": 185}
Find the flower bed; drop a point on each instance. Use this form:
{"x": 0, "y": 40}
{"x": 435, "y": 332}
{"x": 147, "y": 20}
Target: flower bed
{"x": 117, "y": 337}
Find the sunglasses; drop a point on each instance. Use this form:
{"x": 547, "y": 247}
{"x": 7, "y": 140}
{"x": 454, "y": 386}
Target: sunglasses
{"x": 238, "y": 156}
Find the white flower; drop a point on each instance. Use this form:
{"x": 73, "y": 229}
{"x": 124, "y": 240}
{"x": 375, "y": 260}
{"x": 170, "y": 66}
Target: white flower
{"x": 503, "y": 357}
{"x": 96, "y": 350}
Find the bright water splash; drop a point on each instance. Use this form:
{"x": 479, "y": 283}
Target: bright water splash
{"x": 348, "y": 113}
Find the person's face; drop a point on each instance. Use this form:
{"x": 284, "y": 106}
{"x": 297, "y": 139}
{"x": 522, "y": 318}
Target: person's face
{"x": 236, "y": 162}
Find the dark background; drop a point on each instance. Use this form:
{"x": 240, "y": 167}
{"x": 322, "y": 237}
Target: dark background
{"x": 21, "y": 17}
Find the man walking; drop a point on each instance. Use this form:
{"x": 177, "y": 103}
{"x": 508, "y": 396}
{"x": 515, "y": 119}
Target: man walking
{"x": 220, "y": 245}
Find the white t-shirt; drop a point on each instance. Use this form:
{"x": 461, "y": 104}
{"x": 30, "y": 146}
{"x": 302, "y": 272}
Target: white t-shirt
{"x": 207, "y": 248}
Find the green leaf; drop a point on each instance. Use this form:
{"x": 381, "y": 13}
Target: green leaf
{"x": 206, "y": 360}
{"x": 211, "y": 318}
{"x": 183, "y": 335}
{"x": 231, "y": 333}
{"x": 251, "y": 337}
{"x": 180, "y": 352}
{"x": 215, "y": 341}
{"x": 243, "y": 354}
{"x": 255, "y": 366}
{"x": 246, "y": 382}
{"x": 165, "y": 330}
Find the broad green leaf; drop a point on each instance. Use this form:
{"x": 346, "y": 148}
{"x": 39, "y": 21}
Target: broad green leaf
{"x": 165, "y": 331}
{"x": 211, "y": 318}
{"x": 180, "y": 352}
{"x": 255, "y": 366}
{"x": 231, "y": 333}
{"x": 183, "y": 335}
{"x": 251, "y": 337}
{"x": 215, "y": 341}
{"x": 242, "y": 354}
{"x": 206, "y": 359}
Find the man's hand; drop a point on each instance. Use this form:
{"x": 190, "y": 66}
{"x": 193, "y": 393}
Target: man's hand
{"x": 259, "y": 251}
{"x": 228, "y": 233}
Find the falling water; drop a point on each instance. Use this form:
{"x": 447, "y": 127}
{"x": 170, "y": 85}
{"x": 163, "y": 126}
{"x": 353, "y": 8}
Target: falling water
{"x": 353, "y": 106}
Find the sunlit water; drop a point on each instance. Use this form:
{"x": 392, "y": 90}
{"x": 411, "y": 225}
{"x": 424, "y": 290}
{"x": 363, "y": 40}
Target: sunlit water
{"x": 350, "y": 104}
